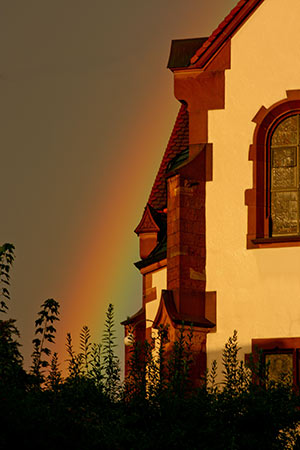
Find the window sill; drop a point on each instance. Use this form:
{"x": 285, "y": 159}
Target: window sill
{"x": 278, "y": 241}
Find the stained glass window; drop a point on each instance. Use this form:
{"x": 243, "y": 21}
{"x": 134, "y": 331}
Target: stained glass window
{"x": 280, "y": 366}
{"x": 284, "y": 177}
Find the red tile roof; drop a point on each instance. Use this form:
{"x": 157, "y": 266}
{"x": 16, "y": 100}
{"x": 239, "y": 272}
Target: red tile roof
{"x": 178, "y": 142}
{"x": 225, "y": 30}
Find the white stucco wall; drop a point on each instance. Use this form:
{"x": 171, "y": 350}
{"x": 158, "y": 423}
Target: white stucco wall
{"x": 159, "y": 281}
{"x": 258, "y": 291}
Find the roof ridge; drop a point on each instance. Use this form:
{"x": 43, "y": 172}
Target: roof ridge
{"x": 220, "y": 30}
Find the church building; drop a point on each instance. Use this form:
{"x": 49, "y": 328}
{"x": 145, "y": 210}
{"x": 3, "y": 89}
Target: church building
{"x": 220, "y": 232}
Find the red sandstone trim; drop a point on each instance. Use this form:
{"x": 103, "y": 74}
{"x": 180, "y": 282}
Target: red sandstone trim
{"x": 258, "y": 198}
{"x": 147, "y": 223}
{"x": 155, "y": 266}
{"x": 235, "y": 19}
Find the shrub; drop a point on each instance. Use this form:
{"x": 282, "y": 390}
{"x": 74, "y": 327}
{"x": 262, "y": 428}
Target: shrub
{"x": 156, "y": 407}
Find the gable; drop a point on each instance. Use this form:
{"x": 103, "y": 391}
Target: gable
{"x": 227, "y": 28}
{"x": 148, "y": 222}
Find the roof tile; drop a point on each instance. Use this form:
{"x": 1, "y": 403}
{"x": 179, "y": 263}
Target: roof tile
{"x": 178, "y": 142}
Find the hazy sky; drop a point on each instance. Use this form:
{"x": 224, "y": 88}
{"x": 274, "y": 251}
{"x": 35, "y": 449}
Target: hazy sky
{"x": 86, "y": 111}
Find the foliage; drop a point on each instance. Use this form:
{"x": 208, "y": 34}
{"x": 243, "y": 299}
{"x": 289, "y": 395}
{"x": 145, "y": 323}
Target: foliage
{"x": 75, "y": 361}
{"x": 11, "y": 360}
{"x": 96, "y": 368}
{"x": 80, "y": 415}
{"x": 46, "y": 331}
{"x": 110, "y": 361}
{"x": 87, "y": 364}
{"x": 180, "y": 361}
{"x": 141, "y": 367}
{"x": 237, "y": 376}
{"x": 7, "y": 257}
{"x": 156, "y": 407}
{"x": 54, "y": 378}
{"x": 85, "y": 347}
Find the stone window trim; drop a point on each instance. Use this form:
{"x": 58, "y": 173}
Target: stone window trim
{"x": 257, "y": 199}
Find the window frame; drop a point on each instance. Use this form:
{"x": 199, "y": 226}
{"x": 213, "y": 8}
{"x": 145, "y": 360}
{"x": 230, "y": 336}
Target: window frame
{"x": 279, "y": 346}
{"x": 269, "y": 167}
{"x": 257, "y": 199}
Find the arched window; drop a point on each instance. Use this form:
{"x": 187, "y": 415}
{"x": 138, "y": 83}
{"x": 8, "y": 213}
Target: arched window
{"x": 274, "y": 201}
{"x": 284, "y": 177}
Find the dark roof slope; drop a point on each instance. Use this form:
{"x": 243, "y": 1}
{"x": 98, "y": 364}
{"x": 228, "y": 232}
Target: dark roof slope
{"x": 178, "y": 142}
{"x": 182, "y": 51}
{"x": 140, "y": 315}
{"x": 178, "y": 160}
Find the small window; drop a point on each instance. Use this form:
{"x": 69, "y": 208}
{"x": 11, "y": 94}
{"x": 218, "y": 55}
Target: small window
{"x": 280, "y": 357}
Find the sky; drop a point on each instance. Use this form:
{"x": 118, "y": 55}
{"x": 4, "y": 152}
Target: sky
{"x": 86, "y": 111}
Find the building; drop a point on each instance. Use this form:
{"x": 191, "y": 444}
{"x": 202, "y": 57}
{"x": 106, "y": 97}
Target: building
{"x": 220, "y": 233}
